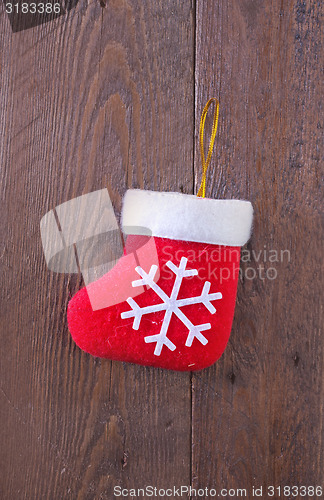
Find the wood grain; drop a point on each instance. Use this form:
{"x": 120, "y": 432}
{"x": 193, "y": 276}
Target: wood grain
{"x": 112, "y": 98}
{"x": 258, "y": 413}
{"x": 89, "y": 101}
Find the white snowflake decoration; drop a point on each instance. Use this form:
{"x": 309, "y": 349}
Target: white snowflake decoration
{"x": 171, "y": 305}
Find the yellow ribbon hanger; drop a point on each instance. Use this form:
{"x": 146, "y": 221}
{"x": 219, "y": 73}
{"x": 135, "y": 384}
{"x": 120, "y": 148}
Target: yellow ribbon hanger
{"x": 205, "y": 164}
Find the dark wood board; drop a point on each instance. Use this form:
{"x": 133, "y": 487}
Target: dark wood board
{"x": 90, "y": 102}
{"x": 111, "y": 97}
{"x": 258, "y": 412}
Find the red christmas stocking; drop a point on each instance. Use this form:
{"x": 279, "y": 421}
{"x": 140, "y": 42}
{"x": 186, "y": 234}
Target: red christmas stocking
{"x": 169, "y": 302}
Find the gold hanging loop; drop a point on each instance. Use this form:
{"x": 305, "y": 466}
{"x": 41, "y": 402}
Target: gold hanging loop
{"x": 205, "y": 164}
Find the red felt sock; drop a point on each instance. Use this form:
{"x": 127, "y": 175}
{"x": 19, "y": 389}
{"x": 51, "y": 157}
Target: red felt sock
{"x": 169, "y": 302}
{"x": 201, "y": 316}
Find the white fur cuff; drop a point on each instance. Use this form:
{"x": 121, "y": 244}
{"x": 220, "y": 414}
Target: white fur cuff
{"x": 187, "y": 217}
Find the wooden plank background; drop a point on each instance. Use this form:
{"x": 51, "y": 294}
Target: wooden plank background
{"x": 112, "y": 98}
